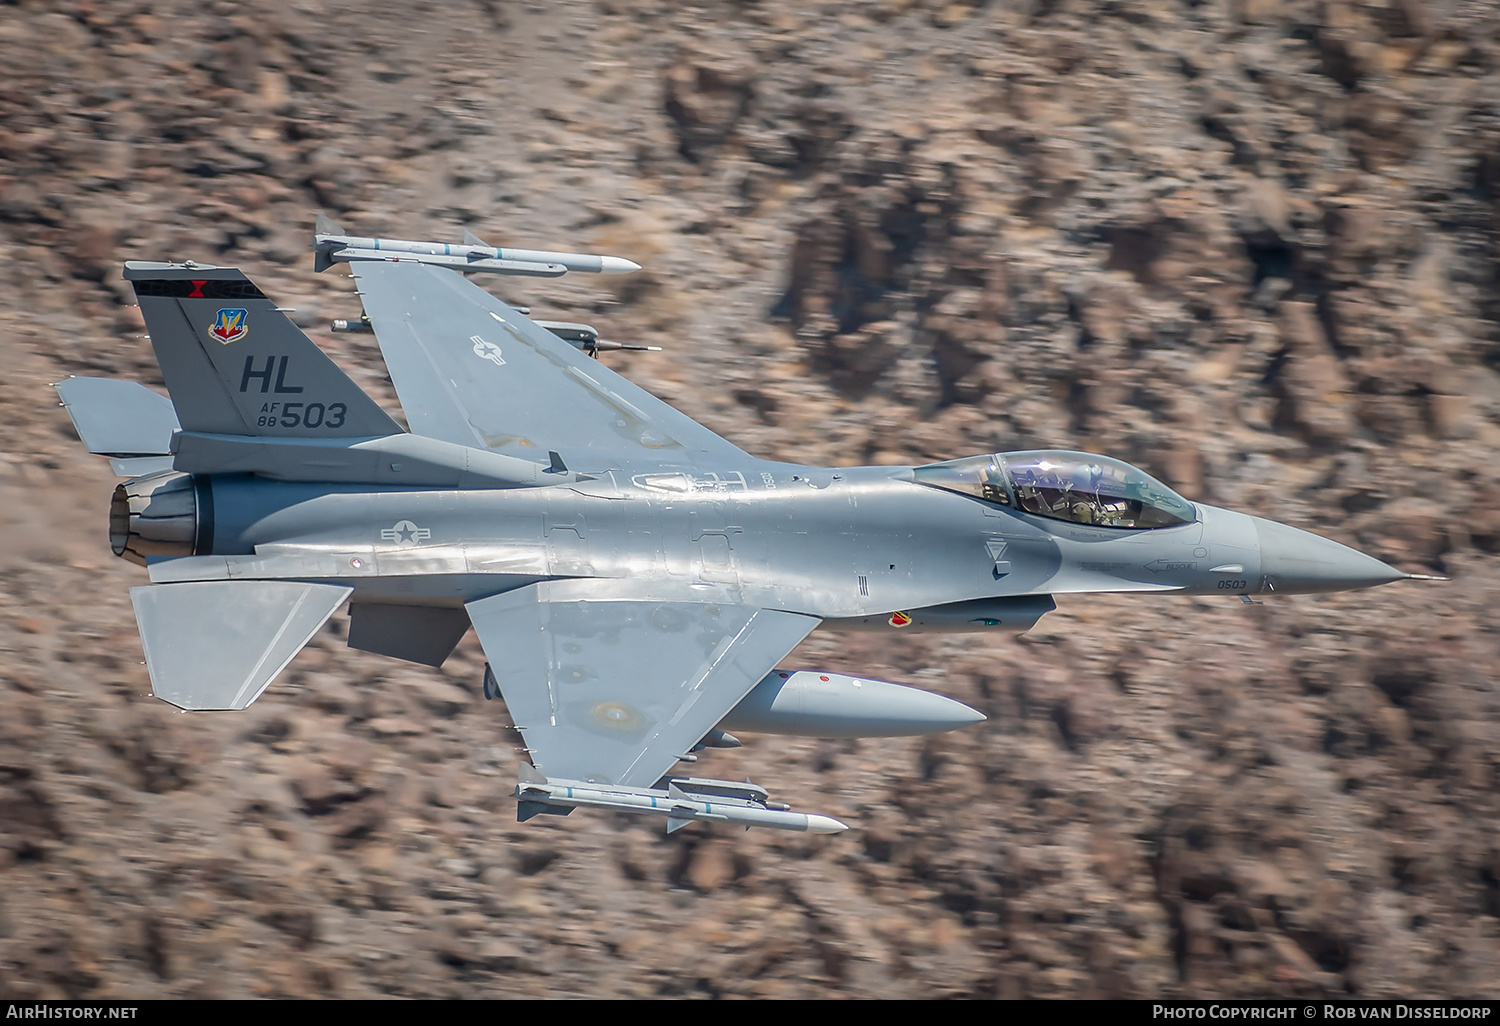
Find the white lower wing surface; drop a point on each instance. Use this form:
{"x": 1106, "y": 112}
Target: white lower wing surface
{"x": 611, "y": 686}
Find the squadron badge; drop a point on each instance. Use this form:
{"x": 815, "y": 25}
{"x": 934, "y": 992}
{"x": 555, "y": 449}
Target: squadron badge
{"x": 230, "y": 325}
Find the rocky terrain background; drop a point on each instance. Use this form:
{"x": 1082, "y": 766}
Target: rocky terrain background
{"x": 1249, "y": 245}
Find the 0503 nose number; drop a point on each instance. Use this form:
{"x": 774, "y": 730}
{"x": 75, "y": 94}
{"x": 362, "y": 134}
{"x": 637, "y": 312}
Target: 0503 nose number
{"x": 1237, "y": 585}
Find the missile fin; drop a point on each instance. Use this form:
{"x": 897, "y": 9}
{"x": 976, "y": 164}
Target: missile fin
{"x": 528, "y": 774}
{"x": 676, "y": 823}
{"x": 325, "y": 226}
{"x": 470, "y": 239}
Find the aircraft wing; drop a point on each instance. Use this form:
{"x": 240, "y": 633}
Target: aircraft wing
{"x": 471, "y": 370}
{"x": 609, "y": 684}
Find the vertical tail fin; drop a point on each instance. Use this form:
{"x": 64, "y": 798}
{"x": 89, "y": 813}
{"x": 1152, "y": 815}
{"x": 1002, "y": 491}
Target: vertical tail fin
{"x": 235, "y": 364}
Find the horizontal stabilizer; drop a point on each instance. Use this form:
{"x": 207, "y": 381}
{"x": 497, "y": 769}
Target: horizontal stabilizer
{"x": 119, "y": 418}
{"x": 218, "y": 644}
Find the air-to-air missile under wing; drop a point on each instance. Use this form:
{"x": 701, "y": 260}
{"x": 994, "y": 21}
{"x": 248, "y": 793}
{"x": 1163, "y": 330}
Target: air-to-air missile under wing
{"x": 634, "y": 578}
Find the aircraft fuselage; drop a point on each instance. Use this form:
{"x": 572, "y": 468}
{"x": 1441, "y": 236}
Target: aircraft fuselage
{"x": 842, "y": 544}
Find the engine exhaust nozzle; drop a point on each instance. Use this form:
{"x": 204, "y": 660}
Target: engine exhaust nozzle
{"x": 164, "y": 514}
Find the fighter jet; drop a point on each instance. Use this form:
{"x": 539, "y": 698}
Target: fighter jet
{"x": 634, "y": 579}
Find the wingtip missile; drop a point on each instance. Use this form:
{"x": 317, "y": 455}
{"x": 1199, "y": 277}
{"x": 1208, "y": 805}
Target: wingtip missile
{"x": 684, "y": 801}
{"x": 472, "y": 256}
{"x": 466, "y": 263}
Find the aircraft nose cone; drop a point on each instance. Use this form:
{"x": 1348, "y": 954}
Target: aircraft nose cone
{"x": 1296, "y": 561}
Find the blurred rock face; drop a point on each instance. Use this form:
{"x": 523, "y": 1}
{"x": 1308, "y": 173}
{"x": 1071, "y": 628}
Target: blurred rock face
{"x": 1249, "y": 245}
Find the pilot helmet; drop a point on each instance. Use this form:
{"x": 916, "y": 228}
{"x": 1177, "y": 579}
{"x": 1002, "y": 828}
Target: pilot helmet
{"x": 1086, "y": 476}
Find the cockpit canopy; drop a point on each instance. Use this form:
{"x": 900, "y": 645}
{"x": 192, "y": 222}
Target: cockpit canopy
{"x": 1075, "y": 486}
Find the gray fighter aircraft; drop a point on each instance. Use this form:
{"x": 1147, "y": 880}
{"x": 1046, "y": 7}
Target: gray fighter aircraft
{"x": 634, "y": 579}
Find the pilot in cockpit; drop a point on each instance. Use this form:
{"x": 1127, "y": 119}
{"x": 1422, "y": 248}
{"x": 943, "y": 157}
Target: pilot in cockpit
{"x": 1075, "y": 487}
{"x": 1081, "y": 493}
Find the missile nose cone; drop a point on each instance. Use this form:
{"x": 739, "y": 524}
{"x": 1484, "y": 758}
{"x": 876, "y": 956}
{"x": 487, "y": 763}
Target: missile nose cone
{"x": 1297, "y": 561}
{"x": 617, "y": 265}
{"x": 824, "y": 825}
